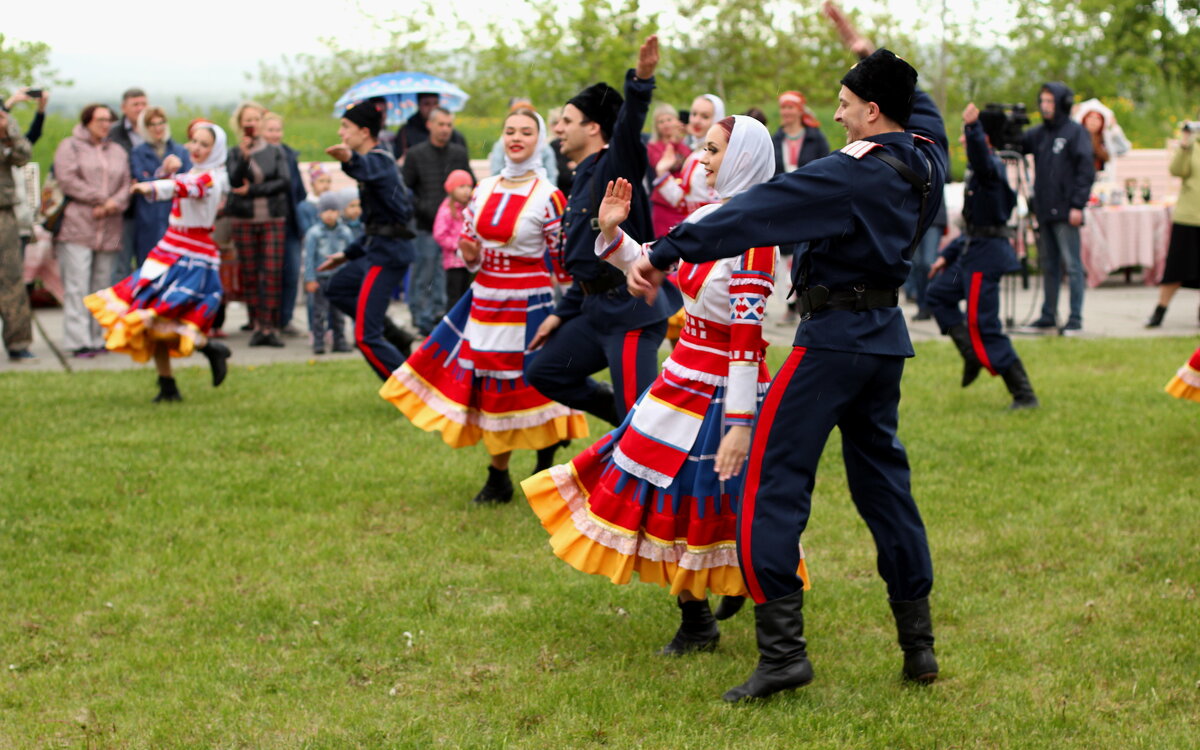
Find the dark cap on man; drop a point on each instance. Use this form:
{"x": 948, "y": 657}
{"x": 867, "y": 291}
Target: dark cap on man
{"x": 887, "y": 80}
{"x": 600, "y": 103}
{"x": 366, "y": 115}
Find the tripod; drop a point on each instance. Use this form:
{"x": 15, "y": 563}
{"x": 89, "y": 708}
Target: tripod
{"x": 1025, "y": 236}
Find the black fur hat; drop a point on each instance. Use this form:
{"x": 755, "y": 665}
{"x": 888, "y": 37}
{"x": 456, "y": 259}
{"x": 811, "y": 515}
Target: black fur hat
{"x": 600, "y": 104}
{"x": 888, "y": 81}
{"x": 368, "y": 114}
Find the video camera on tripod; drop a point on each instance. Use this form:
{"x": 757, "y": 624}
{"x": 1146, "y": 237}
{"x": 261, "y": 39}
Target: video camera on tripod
{"x": 1004, "y": 124}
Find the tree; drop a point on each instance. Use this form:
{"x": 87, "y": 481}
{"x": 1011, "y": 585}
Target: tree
{"x": 26, "y": 63}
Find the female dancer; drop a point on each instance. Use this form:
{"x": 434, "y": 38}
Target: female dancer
{"x": 659, "y": 495}
{"x": 1186, "y": 383}
{"x": 466, "y": 379}
{"x": 166, "y": 307}
{"x": 690, "y": 190}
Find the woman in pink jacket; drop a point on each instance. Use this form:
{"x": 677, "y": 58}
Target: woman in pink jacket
{"x": 94, "y": 175}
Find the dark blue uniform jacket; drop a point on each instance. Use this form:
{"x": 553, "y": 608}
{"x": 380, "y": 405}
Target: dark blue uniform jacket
{"x": 624, "y": 157}
{"x": 859, "y": 216}
{"x": 385, "y": 200}
{"x": 988, "y": 201}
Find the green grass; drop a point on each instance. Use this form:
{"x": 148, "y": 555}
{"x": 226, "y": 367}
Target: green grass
{"x": 285, "y": 563}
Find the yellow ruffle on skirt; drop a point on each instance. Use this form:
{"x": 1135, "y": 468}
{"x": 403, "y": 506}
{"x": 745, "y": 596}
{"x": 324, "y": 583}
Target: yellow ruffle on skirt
{"x": 587, "y": 555}
{"x": 138, "y": 332}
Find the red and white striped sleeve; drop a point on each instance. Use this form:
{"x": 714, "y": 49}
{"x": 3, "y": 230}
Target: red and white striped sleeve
{"x": 752, "y": 281}
{"x": 551, "y": 231}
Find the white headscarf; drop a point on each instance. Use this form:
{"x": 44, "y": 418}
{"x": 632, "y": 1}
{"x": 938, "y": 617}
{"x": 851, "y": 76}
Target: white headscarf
{"x": 215, "y": 162}
{"x": 718, "y": 107}
{"x": 749, "y": 158}
{"x": 532, "y": 163}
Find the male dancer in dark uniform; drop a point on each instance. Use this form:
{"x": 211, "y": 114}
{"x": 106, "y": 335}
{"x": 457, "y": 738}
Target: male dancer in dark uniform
{"x": 597, "y": 323}
{"x": 381, "y": 256}
{"x": 972, "y": 265}
{"x": 862, "y": 215}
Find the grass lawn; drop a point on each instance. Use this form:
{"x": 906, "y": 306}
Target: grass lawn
{"x": 285, "y": 563}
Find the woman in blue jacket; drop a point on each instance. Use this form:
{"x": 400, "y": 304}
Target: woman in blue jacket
{"x": 145, "y": 162}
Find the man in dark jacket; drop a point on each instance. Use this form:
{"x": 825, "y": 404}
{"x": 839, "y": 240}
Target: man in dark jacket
{"x": 1062, "y": 183}
{"x": 124, "y": 134}
{"x": 425, "y": 171}
{"x": 416, "y": 129}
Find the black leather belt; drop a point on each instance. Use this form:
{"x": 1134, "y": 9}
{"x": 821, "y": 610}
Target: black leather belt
{"x": 859, "y": 299}
{"x": 992, "y": 230}
{"x": 390, "y": 231}
{"x": 605, "y": 283}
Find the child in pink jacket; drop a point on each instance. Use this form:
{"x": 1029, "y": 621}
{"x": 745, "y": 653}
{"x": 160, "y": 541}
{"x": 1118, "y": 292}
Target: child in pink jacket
{"x": 447, "y": 228}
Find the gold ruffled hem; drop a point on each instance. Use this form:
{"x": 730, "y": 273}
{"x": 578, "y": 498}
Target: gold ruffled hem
{"x": 589, "y": 556}
{"x": 1180, "y": 389}
{"x": 458, "y": 435}
{"x": 138, "y": 332}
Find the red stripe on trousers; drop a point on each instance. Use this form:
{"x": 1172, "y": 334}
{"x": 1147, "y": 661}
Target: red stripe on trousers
{"x": 360, "y": 309}
{"x": 973, "y": 322}
{"x": 758, "y": 447}
{"x": 629, "y": 361}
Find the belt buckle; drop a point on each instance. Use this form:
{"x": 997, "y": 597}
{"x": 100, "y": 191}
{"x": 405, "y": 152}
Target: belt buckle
{"x": 860, "y": 297}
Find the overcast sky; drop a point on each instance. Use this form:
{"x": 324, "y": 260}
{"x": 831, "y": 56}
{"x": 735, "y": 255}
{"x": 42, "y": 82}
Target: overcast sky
{"x": 171, "y": 50}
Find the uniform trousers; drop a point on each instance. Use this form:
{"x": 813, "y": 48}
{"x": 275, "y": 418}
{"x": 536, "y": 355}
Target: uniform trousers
{"x": 15, "y": 313}
{"x": 83, "y": 271}
{"x": 580, "y": 347}
{"x": 815, "y": 391}
{"x": 362, "y": 289}
{"x": 981, "y": 290}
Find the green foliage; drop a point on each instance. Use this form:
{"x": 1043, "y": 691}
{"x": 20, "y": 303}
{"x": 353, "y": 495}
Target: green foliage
{"x": 284, "y": 562}
{"x": 26, "y": 64}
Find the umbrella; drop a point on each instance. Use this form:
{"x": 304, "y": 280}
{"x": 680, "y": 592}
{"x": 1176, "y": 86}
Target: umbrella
{"x": 400, "y": 90}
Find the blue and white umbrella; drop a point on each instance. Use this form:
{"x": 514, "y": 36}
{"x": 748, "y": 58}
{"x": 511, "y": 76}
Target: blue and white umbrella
{"x": 400, "y": 90}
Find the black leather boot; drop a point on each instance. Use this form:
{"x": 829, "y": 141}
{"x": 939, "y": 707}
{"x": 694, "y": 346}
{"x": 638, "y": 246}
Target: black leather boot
{"x": 398, "y": 337}
{"x": 971, "y": 364}
{"x": 545, "y": 456}
{"x": 602, "y": 404}
{"x": 217, "y": 354}
{"x": 697, "y": 630}
{"x": 497, "y": 489}
{"x": 729, "y": 606}
{"x": 783, "y": 661}
{"x": 915, "y": 631}
{"x": 1019, "y": 386}
{"x": 1156, "y": 318}
{"x": 167, "y": 390}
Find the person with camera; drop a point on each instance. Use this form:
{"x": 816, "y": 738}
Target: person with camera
{"x": 258, "y": 206}
{"x": 30, "y": 94}
{"x": 15, "y": 151}
{"x": 1183, "y": 255}
{"x": 1062, "y": 183}
{"x": 972, "y": 265}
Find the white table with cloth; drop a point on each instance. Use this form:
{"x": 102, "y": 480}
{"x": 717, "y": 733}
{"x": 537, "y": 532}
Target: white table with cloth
{"x": 1117, "y": 237}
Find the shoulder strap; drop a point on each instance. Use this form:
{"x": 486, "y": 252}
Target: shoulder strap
{"x": 923, "y": 188}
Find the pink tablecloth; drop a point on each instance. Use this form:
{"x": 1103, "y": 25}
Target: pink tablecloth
{"x": 1116, "y": 237}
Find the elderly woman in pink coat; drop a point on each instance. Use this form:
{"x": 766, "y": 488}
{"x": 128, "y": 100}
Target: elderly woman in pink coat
{"x": 94, "y": 175}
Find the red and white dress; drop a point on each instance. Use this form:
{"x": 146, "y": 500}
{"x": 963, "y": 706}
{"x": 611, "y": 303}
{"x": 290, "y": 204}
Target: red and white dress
{"x": 646, "y": 498}
{"x": 176, "y": 292}
{"x": 466, "y": 381}
{"x": 688, "y": 192}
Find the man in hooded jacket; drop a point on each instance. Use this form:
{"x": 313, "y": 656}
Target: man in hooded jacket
{"x": 1063, "y": 175}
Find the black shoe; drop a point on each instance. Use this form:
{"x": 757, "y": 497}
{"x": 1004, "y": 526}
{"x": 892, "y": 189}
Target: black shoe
{"x": 341, "y": 347}
{"x": 923, "y": 314}
{"x": 272, "y": 340}
{"x": 1156, "y": 318}
{"x": 498, "y": 488}
{"x": 258, "y": 338}
{"x": 247, "y": 327}
{"x": 783, "y": 659}
{"x": 167, "y": 390}
{"x": 398, "y": 337}
{"x": 729, "y": 606}
{"x": 545, "y": 456}
{"x": 1041, "y": 325}
{"x": 697, "y": 630}
{"x": 602, "y": 404}
{"x": 17, "y": 355}
{"x": 915, "y": 633}
{"x": 971, "y": 364}
{"x": 318, "y": 350}
{"x": 217, "y": 354}
{"x": 1017, "y": 382}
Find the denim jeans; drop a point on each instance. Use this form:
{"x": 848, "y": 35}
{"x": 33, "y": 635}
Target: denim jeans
{"x": 426, "y": 284}
{"x": 1058, "y": 244}
{"x": 291, "y": 278}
